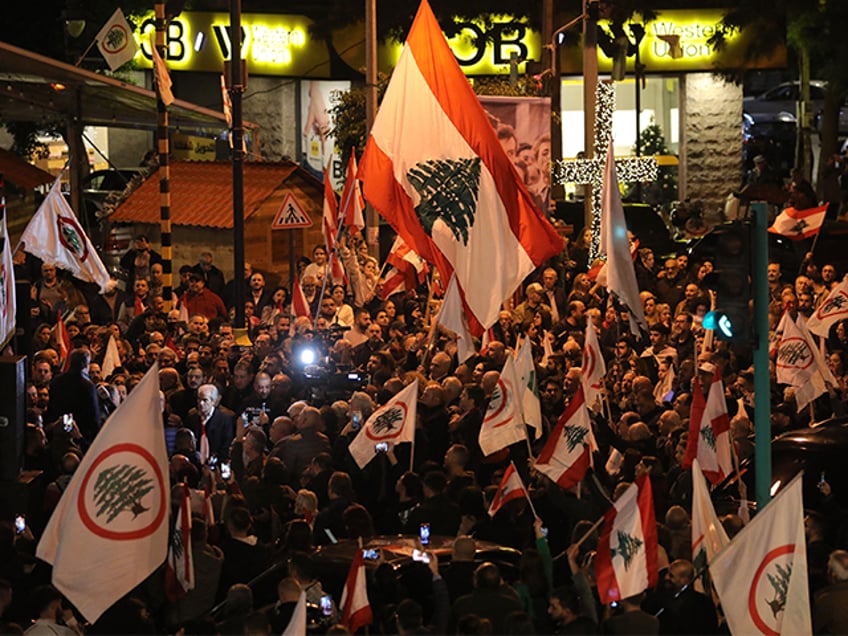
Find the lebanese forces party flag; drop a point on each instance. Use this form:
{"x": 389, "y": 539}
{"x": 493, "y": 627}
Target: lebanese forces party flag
{"x": 626, "y": 563}
{"x": 110, "y": 529}
{"x": 502, "y": 423}
{"x": 393, "y": 423}
{"x": 761, "y": 576}
{"x": 115, "y": 41}
{"x": 708, "y": 535}
{"x": 568, "y": 452}
{"x": 833, "y": 309}
{"x": 799, "y": 224}
{"x": 356, "y": 610}
{"x": 594, "y": 369}
{"x": 408, "y": 269}
{"x": 709, "y": 431}
{"x": 179, "y": 569}
{"x": 434, "y": 169}
{"x": 511, "y": 487}
{"x": 54, "y": 235}
{"x": 799, "y": 363}
{"x": 330, "y": 228}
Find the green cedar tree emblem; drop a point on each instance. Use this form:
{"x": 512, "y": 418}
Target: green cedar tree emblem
{"x": 574, "y": 436}
{"x": 628, "y": 547}
{"x": 709, "y": 436}
{"x": 780, "y": 583}
{"x": 115, "y": 39}
{"x": 177, "y": 543}
{"x": 386, "y": 421}
{"x": 120, "y": 488}
{"x": 448, "y": 189}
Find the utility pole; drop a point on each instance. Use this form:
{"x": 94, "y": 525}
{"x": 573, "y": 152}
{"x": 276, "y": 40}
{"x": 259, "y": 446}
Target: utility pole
{"x": 236, "y": 91}
{"x": 372, "y": 220}
{"x": 590, "y": 82}
{"x": 164, "y": 162}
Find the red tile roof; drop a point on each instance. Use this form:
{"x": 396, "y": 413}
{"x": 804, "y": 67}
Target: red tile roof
{"x": 23, "y": 174}
{"x": 202, "y": 193}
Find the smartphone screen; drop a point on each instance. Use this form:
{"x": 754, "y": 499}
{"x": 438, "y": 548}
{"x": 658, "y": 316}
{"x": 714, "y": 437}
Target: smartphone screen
{"x": 381, "y": 447}
{"x": 356, "y": 419}
{"x": 326, "y": 605}
{"x": 226, "y": 470}
{"x": 418, "y": 555}
{"x": 20, "y": 524}
{"x": 371, "y": 554}
{"x": 424, "y": 533}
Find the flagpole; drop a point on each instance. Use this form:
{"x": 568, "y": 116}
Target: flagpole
{"x": 526, "y": 492}
{"x": 84, "y": 53}
{"x": 812, "y": 250}
{"x": 589, "y": 532}
{"x": 329, "y": 271}
{"x": 412, "y": 451}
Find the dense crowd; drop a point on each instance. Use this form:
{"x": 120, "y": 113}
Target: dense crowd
{"x": 245, "y": 403}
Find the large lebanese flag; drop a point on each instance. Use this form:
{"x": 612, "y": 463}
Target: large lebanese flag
{"x": 434, "y": 169}
{"x": 110, "y": 529}
{"x": 799, "y": 224}
{"x": 709, "y": 431}
{"x": 356, "y": 610}
{"x": 568, "y": 452}
{"x": 627, "y": 551}
{"x": 761, "y": 575}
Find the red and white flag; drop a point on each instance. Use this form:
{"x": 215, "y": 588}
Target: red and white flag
{"x": 832, "y": 309}
{"x": 525, "y": 371}
{"x": 799, "y": 224}
{"x": 568, "y": 452}
{"x": 709, "y": 431}
{"x": 54, "y": 235}
{"x": 299, "y": 305}
{"x": 708, "y": 535}
{"x": 330, "y": 228}
{"x": 452, "y": 316}
{"x": 502, "y": 423}
{"x": 620, "y": 274}
{"x": 626, "y": 563}
{"x": 110, "y": 529}
{"x": 8, "y": 301}
{"x": 115, "y": 41}
{"x": 761, "y": 576}
{"x": 392, "y": 424}
{"x": 511, "y": 487}
{"x": 179, "y": 569}
{"x": 799, "y": 362}
{"x": 63, "y": 342}
{"x": 356, "y": 610}
{"x": 434, "y": 169}
{"x": 408, "y": 269}
{"x": 593, "y": 368}
{"x": 352, "y": 204}
{"x": 227, "y": 101}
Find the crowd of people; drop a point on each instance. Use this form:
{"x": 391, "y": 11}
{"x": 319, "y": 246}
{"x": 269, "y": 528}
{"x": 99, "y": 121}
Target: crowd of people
{"x": 266, "y": 446}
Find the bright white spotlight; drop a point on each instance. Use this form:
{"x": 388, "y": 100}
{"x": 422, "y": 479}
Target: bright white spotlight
{"x": 307, "y": 356}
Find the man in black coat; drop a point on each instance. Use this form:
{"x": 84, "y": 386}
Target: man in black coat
{"x": 215, "y": 423}
{"x": 72, "y": 392}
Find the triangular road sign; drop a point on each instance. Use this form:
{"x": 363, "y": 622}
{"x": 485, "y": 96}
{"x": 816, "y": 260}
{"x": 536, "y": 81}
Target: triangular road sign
{"x": 291, "y": 215}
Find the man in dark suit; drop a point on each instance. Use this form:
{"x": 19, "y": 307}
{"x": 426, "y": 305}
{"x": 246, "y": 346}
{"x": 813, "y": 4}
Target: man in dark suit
{"x": 72, "y": 392}
{"x": 554, "y": 294}
{"x": 215, "y": 423}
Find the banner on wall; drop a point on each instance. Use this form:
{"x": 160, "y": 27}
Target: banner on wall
{"x": 318, "y": 145}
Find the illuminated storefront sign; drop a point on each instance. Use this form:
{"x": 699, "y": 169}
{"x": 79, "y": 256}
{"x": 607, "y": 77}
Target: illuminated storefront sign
{"x": 281, "y": 45}
{"x": 678, "y": 41}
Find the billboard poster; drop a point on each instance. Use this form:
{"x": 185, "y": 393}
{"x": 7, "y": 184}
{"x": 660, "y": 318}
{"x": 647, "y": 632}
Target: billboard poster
{"x": 523, "y": 126}
{"x": 318, "y": 145}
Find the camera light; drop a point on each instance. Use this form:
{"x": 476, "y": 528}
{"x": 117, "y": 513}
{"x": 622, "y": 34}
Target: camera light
{"x": 307, "y": 356}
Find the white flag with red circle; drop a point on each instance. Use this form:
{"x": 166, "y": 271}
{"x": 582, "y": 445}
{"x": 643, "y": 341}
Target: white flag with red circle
{"x": 391, "y": 424}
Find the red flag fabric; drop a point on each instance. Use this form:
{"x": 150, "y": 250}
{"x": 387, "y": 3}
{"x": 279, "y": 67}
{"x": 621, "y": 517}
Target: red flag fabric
{"x": 299, "y": 305}
{"x": 330, "y": 228}
{"x": 568, "y": 451}
{"x": 709, "y": 431}
{"x": 626, "y": 563}
{"x": 434, "y": 169}
{"x": 356, "y": 610}
{"x": 63, "y": 341}
{"x": 350, "y": 210}
{"x": 179, "y": 569}
{"x": 511, "y": 487}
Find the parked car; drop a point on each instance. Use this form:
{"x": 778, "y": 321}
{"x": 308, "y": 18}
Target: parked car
{"x": 783, "y": 99}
